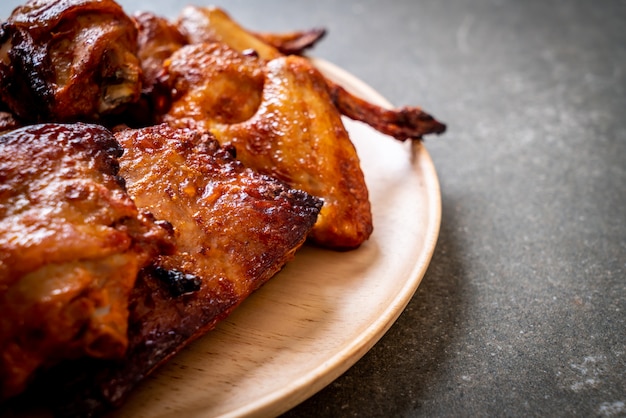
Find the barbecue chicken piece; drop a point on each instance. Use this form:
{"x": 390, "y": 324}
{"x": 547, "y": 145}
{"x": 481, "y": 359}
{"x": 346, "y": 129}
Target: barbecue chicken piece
{"x": 157, "y": 40}
{"x": 68, "y": 60}
{"x": 279, "y": 117}
{"x": 211, "y": 24}
{"x": 8, "y": 122}
{"x": 71, "y": 245}
{"x": 408, "y": 122}
{"x": 234, "y": 229}
{"x": 230, "y": 222}
{"x": 292, "y": 43}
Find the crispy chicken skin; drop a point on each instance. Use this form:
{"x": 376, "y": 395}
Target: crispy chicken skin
{"x": 234, "y": 229}
{"x": 404, "y": 123}
{"x": 229, "y": 221}
{"x": 71, "y": 245}
{"x": 118, "y": 250}
{"x": 68, "y": 60}
{"x": 280, "y": 113}
{"x": 8, "y": 122}
{"x": 292, "y": 43}
{"x": 212, "y": 24}
{"x": 157, "y": 40}
{"x": 213, "y": 84}
{"x": 279, "y": 117}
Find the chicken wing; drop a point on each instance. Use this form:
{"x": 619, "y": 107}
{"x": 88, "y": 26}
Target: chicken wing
{"x": 212, "y": 24}
{"x": 68, "y": 60}
{"x": 292, "y": 43}
{"x": 404, "y": 123}
{"x": 71, "y": 244}
{"x": 229, "y": 221}
{"x": 279, "y": 117}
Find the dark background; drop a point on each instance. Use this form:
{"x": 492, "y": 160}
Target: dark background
{"x": 522, "y": 310}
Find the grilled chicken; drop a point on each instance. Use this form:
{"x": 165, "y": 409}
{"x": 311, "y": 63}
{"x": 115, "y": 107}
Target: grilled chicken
{"x": 157, "y": 40}
{"x": 404, "y": 123}
{"x": 71, "y": 245}
{"x": 212, "y": 24}
{"x": 68, "y": 60}
{"x": 8, "y": 122}
{"x": 234, "y": 229}
{"x": 279, "y": 117}
{"x": 230, "y": 222}
{"x": 292, "y": 43}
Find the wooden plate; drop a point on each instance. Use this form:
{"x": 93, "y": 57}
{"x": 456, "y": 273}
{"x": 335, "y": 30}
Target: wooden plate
{"x": 324, "y": 311}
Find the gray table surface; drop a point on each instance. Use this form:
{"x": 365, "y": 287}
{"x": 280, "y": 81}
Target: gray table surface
{"x": 522, "y": 310}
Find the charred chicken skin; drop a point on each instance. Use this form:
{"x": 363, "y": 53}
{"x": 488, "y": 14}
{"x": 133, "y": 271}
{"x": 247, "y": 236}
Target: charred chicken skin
{"x": 292, "y": 43}
{"x": 279, "y": 117}
{"x": 282, "y": 115}
{"x": 212, "y": 24}
{"x": 157, "y": 40}
{"x": 68, "y": 60}
{"x": 234, "y": 229}
{"x": 71, "y": 245}
{"x": 230, "y": 222}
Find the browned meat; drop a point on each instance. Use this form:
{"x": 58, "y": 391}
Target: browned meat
{"x": 292, "y": 43}
{"x": 68, "y": 60}
{"x": 158, "y": 39}
{"x": 8, "y": 122}
{"x": 280, "y": 118}
{"x": 213, "y": 84}
{"x": 234, "y": 229}
{"x": 230, "y": 223}
{"x": 211, "y": 24}
{"x": 71, "y": 244}
{"x": 408, "y": 122}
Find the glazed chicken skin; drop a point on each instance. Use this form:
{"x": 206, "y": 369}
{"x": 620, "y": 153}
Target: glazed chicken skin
{"x": 234, "y": 229}
{"x": 65, "y": 61}
{"x": 71, "y": 245}
{"x": 228, "y": 219}
{"x": 292, "y": 43}
{"x": 157, "y": 40}
{"x": 212, "y": 24}
{"x": 285, "y": 123}
{"x": 8, "y": 122}
{"x": 280, "y": 119}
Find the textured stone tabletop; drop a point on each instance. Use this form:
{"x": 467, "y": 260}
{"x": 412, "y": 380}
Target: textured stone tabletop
{"x": 522, "y": 311}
